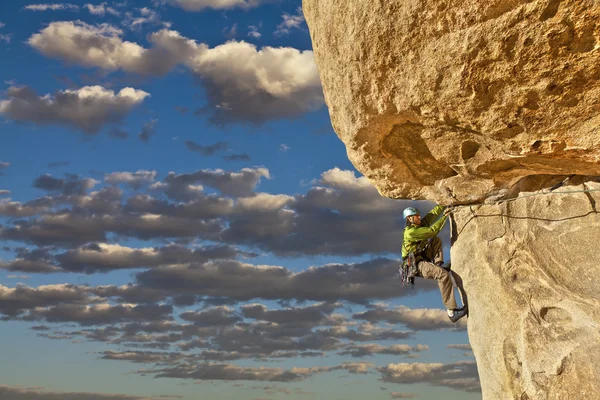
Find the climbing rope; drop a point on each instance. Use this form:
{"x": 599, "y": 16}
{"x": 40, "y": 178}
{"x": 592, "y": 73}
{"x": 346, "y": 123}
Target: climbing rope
{"x": 501, "y": 201}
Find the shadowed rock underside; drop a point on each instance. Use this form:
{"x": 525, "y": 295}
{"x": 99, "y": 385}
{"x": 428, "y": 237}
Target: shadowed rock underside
{"x": 468, "y": 95}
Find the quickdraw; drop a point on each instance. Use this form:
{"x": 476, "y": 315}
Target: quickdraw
{"x": 408, "y": 270}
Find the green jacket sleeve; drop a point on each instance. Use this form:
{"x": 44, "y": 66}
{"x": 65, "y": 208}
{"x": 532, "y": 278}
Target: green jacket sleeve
{"x": 426, "y": 232}
{"x": 432, "y": 215}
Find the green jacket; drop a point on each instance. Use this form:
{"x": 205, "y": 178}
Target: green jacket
{"x": 415, "y": 235}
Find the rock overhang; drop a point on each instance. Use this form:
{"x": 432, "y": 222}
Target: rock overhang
{"x": 462, "y": 101}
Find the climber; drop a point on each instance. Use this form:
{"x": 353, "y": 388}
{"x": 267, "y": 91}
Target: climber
{"x": 421, "y": 241}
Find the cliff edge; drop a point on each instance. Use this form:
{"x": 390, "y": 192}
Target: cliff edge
{"x": 488, "y": 104}
{"x": 469, "y": 95}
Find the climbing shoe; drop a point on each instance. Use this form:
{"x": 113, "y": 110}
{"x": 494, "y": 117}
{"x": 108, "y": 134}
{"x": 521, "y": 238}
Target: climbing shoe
{"x": 458, "y": 313}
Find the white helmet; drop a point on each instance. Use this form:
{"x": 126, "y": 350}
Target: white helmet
{"x": 409, "y": 211}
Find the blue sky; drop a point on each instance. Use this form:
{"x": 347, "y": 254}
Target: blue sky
{"x": 179, "y": 219}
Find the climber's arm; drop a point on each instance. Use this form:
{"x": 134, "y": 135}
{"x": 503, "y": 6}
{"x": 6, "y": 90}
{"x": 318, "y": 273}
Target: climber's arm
{"x": 432, "y": 215}
{"x": 426, "y": 232}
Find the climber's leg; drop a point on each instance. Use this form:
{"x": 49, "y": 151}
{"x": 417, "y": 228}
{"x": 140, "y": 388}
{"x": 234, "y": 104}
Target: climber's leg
{"x": 434, "y": 251}
{"x": 431, "y": 271}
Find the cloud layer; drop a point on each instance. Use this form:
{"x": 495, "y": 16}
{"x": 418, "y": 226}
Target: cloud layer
{"x": 242, "y": 83}
{"x": 88, "y": 108}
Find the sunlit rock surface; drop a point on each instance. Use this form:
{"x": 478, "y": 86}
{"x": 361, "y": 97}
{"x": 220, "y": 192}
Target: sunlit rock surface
{"x": 467, "y": 95}
{"x": 531, "y": 270}
{"x": 475, "y": 101}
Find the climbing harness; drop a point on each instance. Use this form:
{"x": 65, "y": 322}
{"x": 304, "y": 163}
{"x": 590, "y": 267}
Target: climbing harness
{"x": 408, "y": 270}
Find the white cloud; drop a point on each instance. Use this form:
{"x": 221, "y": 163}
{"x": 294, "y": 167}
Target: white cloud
{"x": 284, "y": 147}
{"x": 254, "y": 32}
{"x": 264, "y": 202}
{"x": 102, "y": 9}
{"x": 88, "y": 45}
{"x": 199, "y": 5}
{"x": 5, "y": 37}
{"x": 344, "y": 179}
{"x": 247, "y": 84}
{"x": 146, "y": 16}
{"x": 2, "y": 24}
{"x": 38, "y": 393}
{"x": 290, "y": 21}
{"x": 135, "y": 179}
{"x": 243, "y": 83}
{"x": 87, "y": 108}
{"x": 460, "y": 375}
{"x": 52, "y": 7}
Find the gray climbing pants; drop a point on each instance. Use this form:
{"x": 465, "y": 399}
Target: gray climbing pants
{"x": 429, "y": 270}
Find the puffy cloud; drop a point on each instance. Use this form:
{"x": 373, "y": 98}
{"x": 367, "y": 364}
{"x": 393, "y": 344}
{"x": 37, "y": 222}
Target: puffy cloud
{"x": 73, "y": 229}
{"x": 88, "y": 108}
{"x": 102, "y": 9}
{"x": 341, "y": 214}
{"x": 101, "y": 46}
{"x": 20, "y": 393}
{"x": 14, "y": 301}
{"x": 236, "y": 184}
{"x": 142, "y": 356}
{"x": 103, "y": 257}
{"x": 365, "y": 333}
{"x": 231, "y": 372}
{"x": 144, "y": 16}
{"x": 318, "y": 314}
{"x": 263, "y": 202}
{"x": 241, "y": 281}
{"x": 363, "y": 350}
{"x": 216, "y": 316}
{"x": 246, "y": 84}
{"x": 52, "y": 7}
{"x": 461, "y": 375}
{"x": 253, "y": 32}
{"x": 99, "y": 314}
{"x": 10, "y": 208}
{"x": 200, "y": 5}
{"x": 290, "y": 21}
{"x": 133, "y": 179}
{"x": 73, "y": 185}
{"x": 418, "y": 319}
{"x": 36, "y": 260}
{"x": 243, "y": 83}
{"x": 200, "y": 206}
{"x": 228, "y": 372}
{"x": 460, "y": 346}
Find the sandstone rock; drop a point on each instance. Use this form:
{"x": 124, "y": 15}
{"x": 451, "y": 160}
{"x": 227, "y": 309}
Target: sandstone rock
{"x": 531, "y": 271}
{"x": 470, "y": 95}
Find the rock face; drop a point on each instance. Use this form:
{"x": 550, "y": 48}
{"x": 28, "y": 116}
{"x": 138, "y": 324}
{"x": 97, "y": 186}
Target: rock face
{"x": 472, "y": 101}
{"x": 531, "y": 270}
{"x": 476, "y": 96}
